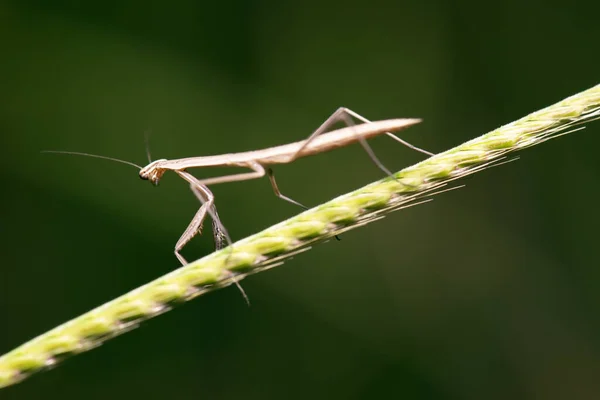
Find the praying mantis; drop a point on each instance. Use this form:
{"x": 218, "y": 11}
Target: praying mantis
{"x": 321, "y": 140}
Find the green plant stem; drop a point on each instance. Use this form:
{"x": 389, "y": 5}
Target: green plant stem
{"x": 271, "y": 246}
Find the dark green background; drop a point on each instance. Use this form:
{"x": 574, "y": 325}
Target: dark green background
{"x": 489, "y": 292}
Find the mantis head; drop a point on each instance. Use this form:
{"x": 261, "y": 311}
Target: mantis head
{"x": 152, "y": 172}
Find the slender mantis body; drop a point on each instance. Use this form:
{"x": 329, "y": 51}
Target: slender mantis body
{"x": 319, "y": 141}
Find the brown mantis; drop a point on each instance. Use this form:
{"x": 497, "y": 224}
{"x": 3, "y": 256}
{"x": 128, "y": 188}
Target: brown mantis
{"x": 319, "y": 141}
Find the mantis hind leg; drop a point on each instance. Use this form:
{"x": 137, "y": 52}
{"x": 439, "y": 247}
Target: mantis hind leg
{"x": 345, "y": 115}
{"x": 359, "y": 117}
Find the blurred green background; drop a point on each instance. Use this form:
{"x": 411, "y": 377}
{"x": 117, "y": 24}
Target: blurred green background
{"x": 489, "y": 292}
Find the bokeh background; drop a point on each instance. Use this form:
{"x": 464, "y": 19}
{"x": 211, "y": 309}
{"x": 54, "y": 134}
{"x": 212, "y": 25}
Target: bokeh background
{"x": 488, "y": 292}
